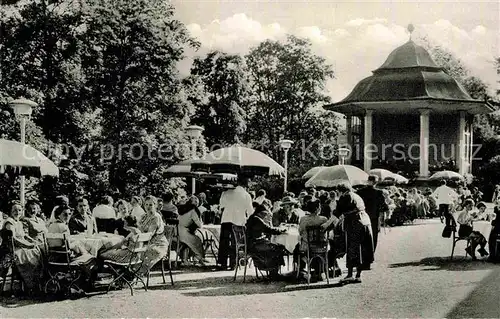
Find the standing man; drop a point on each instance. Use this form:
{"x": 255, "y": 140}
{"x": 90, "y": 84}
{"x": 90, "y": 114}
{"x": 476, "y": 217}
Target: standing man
{"x": 375, "y": 205}
{"x": 445, "y": 197}
{"x": 236, "y": 206}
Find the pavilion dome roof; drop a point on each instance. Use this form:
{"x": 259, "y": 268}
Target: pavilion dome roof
{"x": 409, "y": 55}
{"x": 408, "y": 74}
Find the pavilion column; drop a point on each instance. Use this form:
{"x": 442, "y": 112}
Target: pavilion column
{"x": 348, "y": 132}
{"x": 471, "y": 145}
{"x": 348, "y": 129}
{"x": 461, "y": 143}
{"x": 424, "y": 143}
{"x": 368, "y": 131}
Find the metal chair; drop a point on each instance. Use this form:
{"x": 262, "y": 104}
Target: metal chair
{"x": 240, "y": 239}
{"x": 208, "y": 242}
{"x": 128, "y": 272}
{"x": 456, "y": 239}
{"x": 317, "y": 248}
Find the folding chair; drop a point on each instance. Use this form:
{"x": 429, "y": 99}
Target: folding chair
{"x": 128, "y": 271}
{"x": 317, "y": 248}
{"x": 9, "y": 266}
{"x": 174, "y": 223}
{"x": 60, "y": 268}
{"x": 170, "y": 231}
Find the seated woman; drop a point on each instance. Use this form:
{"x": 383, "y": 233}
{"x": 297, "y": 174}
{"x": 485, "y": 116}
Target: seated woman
{"x": 189, "y": 222}
{"x": 33, "y": 222}
{"x": 80, "y": 255}
{"x": 62, "y": 215}
{"x": 27, "y": 256}
{"x": 265, "y": 254}
{"x": 121, "y": 252}
{"x": 465, "y": 219}
{"x": 313, "y": 219}
{"x": 152, "y": 222}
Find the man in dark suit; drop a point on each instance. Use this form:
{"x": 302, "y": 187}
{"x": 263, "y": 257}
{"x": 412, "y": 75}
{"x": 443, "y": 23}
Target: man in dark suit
{"x": 375, "y": 205}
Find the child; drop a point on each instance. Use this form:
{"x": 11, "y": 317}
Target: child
{"x": 465, "y": 218}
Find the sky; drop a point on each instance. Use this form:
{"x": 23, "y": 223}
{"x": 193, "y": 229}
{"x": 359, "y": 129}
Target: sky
{"x": 354, "y": 37}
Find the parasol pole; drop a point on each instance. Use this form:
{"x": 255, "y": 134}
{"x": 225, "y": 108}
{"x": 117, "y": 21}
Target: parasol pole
{"x": 23, "y": 178}
{"x": 23, "y": 109}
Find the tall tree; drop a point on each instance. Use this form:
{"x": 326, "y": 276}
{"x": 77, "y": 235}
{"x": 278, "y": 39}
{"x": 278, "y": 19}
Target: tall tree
{"x": 129, "y": 57}
{"x": 288, "y": 89}
{"x": 223, "y": 97}
{"x": 39, "y": 59}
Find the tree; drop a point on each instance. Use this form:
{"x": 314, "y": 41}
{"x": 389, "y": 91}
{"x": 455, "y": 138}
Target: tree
{"x": 223, "y": 96}
{"x": 486, "y": 126}
{"x": 130, "y": 51}
{"x": 288, "y": 89}
{"x": 39, "y": 60}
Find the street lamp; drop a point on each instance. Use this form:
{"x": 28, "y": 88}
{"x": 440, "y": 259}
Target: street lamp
{"x": 286, "y": 145}
{"x": 194, "y": 132}
{"x": 343, "y": 152}
{"x": 23, "y": 109}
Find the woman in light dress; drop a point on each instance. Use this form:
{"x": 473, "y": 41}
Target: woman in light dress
{"x": 33, "y": 222}
{"x": 26, "y": 254}
{"x": 152, "y": 222}
{"x": 189, "y": 221}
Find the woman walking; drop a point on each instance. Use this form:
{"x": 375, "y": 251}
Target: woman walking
{"x": 356, "y": 226}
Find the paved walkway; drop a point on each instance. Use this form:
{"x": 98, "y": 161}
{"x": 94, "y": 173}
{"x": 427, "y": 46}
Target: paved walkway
{"x": 412, "y": 277}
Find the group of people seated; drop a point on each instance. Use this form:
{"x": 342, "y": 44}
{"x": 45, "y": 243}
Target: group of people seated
{"x": 341, "y": 213}
{"x": 352, "y": 220}
{"x": 27, "y": 229}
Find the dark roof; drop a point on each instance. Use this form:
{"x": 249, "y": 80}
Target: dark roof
{"x": 407, "y": 84}
{"x": 409, "y": 55}
{"x": 409, "y": 73}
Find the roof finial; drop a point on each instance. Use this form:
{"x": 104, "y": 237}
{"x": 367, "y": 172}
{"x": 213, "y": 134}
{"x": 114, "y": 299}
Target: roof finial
{"x": 410, "y": 29}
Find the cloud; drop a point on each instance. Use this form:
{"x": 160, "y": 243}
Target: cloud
{"x": 359, "y": 22}
{"x": 356, "y": 48}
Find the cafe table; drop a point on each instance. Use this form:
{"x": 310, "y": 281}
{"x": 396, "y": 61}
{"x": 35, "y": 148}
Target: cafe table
{"x": 289, "y": 239}
{"x": 97, "y": 242}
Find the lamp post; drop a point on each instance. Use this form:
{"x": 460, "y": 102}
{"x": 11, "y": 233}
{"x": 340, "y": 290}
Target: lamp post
{"x": 286, "y": 145}
{"x": 194, "y": 132}
{"x": 343, "y": 152}
{"x": 23, "y": 109}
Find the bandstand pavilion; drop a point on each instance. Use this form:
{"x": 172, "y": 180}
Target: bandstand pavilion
{"x": 410, "y": 107}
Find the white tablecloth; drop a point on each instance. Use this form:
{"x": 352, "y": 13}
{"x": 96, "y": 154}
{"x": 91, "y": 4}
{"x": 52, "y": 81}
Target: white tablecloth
{"x": 214, "y": 230}
{"x": 93, "y": 244}
{"x": 290, "y": 239}
{"x": 483, "y": 227}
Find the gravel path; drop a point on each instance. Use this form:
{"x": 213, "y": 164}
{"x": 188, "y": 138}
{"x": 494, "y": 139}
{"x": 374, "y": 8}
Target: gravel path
{"x": 412, "y": 277}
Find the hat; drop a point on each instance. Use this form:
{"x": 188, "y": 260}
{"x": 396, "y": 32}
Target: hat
{"x": 287, "y": 200}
